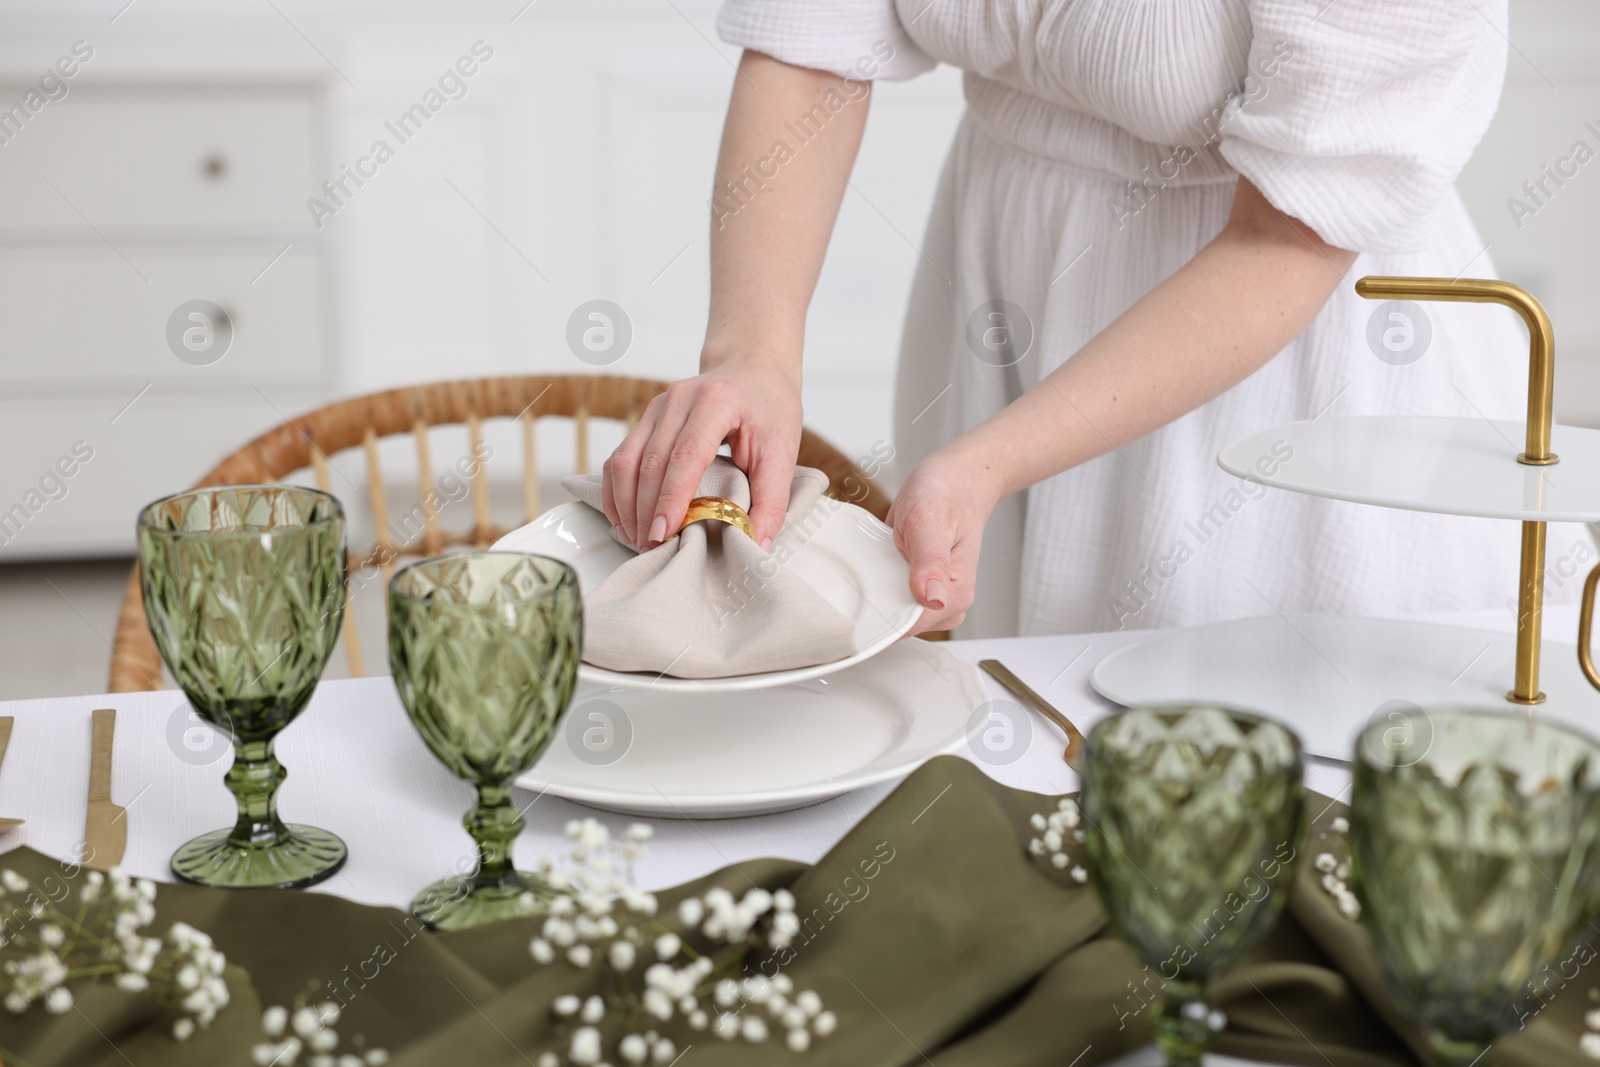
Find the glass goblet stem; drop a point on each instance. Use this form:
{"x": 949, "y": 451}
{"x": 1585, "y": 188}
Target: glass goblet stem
{"x": 494, "y": 825}
{"x": 1182, "y": 1032}
{"x": 254, "y": 779}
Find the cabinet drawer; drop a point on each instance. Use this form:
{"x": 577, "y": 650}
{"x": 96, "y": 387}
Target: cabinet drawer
{"x": 85, "y": 313}
{"x": 185, "y": 158}
{"x": 162, "y": 444}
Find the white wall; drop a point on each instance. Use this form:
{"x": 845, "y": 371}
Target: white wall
{"x": 578, "y": 167}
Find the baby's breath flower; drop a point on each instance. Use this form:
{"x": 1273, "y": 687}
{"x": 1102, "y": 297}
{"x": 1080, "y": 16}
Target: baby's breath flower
{"x": 585, "y": 1048}
{"x": 824, "y": 1024}
{"x": 667, "y": 946}
{"x": 633, "y": 1049}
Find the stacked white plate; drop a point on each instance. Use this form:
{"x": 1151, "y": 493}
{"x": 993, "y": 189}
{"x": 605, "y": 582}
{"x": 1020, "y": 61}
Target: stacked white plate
{"x": 650, "y": 744}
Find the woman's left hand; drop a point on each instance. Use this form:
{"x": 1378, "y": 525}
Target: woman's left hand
{"x": 938, "y": 518}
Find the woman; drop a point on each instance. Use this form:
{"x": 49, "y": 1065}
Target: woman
{"x": 1142, "y": 249}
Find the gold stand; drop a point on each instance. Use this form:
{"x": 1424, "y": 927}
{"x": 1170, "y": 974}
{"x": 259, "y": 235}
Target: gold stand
{"x": 1541, "y": 397}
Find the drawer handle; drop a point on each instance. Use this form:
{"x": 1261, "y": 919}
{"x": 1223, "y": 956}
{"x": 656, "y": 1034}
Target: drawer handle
{"x": 215, "y": 167}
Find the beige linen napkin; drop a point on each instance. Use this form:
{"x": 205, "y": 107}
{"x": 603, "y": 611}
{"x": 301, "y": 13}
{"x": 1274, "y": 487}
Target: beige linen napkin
{"x": 710, "y": 603}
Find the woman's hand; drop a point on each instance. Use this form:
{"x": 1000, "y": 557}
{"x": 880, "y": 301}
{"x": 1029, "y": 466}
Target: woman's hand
{"x": 651, "y": 477}
{"x": 938, "y": 518}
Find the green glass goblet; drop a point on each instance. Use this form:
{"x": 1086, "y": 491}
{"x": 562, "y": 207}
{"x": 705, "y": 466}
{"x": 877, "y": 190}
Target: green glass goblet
{"x": 1473, "y": 847}
{"x": 244, "y": 590}
{"x": 484, "y": 648}
{"x": 1195, "y": 817}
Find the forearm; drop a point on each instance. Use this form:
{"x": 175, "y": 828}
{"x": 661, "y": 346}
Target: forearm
{"x": 1212, "y": 324}
{"x": 774, "y": 204}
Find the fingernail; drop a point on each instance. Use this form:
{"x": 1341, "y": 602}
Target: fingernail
{"x": 935, "y": 594}
{"x": 658, "y": 529}
{"x": 766, "y": 544}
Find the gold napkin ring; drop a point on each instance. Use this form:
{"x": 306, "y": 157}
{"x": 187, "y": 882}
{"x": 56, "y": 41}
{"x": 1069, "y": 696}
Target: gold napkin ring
{"x": 716, "y": 509}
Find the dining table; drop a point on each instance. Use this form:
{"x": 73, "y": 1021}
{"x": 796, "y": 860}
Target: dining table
{"x": 358, "y": 768}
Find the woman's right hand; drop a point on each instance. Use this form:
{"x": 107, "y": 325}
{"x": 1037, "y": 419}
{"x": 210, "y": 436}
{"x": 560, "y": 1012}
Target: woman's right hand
{"x": 752, "y": 404}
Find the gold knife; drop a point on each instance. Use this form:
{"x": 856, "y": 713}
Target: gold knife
{"x": 5, "y": 739}
{"x": 105, "y": 835}
{"x": 1038, "y": 703}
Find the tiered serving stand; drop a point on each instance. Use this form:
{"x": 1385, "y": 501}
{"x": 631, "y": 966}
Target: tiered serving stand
{"x": 1329, "y": 675}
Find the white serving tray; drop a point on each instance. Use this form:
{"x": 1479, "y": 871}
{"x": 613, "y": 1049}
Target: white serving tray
{"x": 1420, "y": 463}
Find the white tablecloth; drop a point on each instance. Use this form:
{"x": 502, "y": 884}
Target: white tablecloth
{"x": 357, "y": 768}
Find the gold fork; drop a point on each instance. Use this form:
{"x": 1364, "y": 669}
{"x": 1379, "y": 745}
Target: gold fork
{"x": 1022, "y": 691}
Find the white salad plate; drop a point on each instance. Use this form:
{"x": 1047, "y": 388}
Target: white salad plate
{"x": 848, "y": 557}
{"x": 1328, "y": 676}
{"x": 670, "y": 754}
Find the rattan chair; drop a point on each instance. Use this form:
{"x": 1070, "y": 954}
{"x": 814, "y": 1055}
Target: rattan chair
{"x": 361, "y": 422}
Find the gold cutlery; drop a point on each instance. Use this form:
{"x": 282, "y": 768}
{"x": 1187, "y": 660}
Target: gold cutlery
{"x": 1021, "y": 690}
{"x": 105, "y": 835}
{"x": 5, "y": 739}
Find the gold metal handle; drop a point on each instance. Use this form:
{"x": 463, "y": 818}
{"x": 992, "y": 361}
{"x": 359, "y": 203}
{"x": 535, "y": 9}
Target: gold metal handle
{"x": 1541, "y": 339}
{"x": 1586, "y": 629}
{"x": 1541, "y": 405}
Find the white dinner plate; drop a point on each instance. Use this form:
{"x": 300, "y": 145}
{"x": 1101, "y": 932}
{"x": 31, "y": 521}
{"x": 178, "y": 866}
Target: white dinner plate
{"x": 850, "y": 560}
{"x": 669, "y": 754}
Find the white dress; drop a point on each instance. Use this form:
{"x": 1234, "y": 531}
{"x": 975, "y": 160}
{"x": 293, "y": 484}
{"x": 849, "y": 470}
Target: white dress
{"x": 1100, "y": 152}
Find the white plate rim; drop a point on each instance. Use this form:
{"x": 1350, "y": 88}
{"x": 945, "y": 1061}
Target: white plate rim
{"x": 971, "y": 689}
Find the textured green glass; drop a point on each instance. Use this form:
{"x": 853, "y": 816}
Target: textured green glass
{"x": 244, "y": 589}
{"x": 484, "y": 649}
{"x": 1195, "y": 818}
{"x": 1473, "y": 852}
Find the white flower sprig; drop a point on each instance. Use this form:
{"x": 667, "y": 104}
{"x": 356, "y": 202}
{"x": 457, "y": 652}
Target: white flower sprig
{"x": 1056, "y": 830}
{"x": 102, "y": 937}
{"x": 607, "y": 919}
{"x": 1589, "y": 1042}
{"x": 308, "y": 1028}
{"x": 1335, "y": 871}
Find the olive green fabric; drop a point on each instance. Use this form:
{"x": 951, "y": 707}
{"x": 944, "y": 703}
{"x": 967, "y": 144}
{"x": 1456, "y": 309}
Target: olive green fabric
{"x": 929, "y": 931}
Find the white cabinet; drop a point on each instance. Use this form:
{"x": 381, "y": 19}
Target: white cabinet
{"x": 120, "y": 205}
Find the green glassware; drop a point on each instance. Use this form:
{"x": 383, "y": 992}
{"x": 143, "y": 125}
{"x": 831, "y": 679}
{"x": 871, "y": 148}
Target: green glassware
{"x": 1195, "y": 818}
{"x": 244, "y": 589}
{"x": 484, "y": 648}
{"x": 1473, "y": 848}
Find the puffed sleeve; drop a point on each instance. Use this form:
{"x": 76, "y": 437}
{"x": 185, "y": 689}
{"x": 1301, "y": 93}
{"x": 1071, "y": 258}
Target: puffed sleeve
{"x": 861, "y": 39}
{"x": 1357, "y": 115}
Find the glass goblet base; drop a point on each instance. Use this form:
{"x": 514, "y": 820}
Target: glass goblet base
{"x": 302, "y": 856}
{"x": 454, "y": 903}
